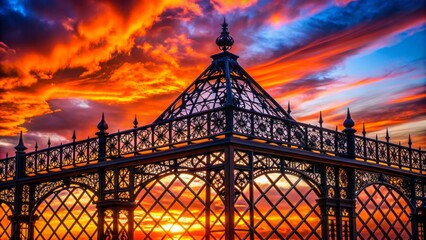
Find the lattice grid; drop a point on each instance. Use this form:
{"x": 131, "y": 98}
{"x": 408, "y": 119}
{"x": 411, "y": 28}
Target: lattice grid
{"x": 67, "y": 214}
{"x": 284, "y": 207}
{"x": 382, "y": 213}
{"x": 174, "y": 207}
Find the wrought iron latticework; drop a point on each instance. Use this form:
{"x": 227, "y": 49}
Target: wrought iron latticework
{"x": 224, "y": 161}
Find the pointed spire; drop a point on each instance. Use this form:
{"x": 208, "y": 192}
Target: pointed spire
{"x": 20, "y": 147}
{"x": 36, "y": 146}
{"x": 363, "y": 130}
{"x": 348, "y": 123}
{"x": 224, "y": 41}
{"x": 48, "y": 142}
{"x": 135, "y": 122}
{"x": 387, "y": 135}
{"x": 288, "y": 108}
{"x": 320, "y": 119}
{"x": 7, "y": 155}
{"x": 73, "y": 136}
{"x": 377, "y": 137}
{"x": 102, "y": 125}
{"x": 409, "y": 140}
{"x": 337, "y": 128}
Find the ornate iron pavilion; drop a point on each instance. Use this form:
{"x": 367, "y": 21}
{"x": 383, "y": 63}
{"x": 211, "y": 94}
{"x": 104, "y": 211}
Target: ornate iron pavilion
{"x": 224, "y": 161}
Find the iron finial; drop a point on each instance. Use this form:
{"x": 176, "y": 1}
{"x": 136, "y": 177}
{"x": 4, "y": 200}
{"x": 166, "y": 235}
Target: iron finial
{"x": 7, "y": 155}
{"x": 409, "y": 140}
{"x": 377, "y": 137}
{"x": 363, "y": 130}
{"x": 320, "y": 119}
{"x": 288, "y": 108}
{"x": 102, "y": 125}
{"x": 74, "y": 137}
{"x": 348, "y": 123}
{"x": 387, "y": 135}
{"x": 20, "y": 147}
{"x": 135, "y": 122}
{"x": 48, "y": 142}
{"x": 36, "y": 146}
{"x": 224, "y": 41}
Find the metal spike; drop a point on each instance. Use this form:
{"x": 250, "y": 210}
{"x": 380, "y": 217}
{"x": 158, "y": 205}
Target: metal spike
{"x": 48, "y": 142}
{"x": 377, "y": 137}
{"x": 337, "y": 128}
{"x": 288, "y": 108}
{"x": 7, "y": 155}
{"x": 135, "y": 122}
{"x": 348, "y": 123}
{"x": 320, "y": 119}
{"x": 409, "y": 140}
{"x": 387, "y": 135}
{"x": 20, "y": 147}
{"x": 73, "y": 136}
{"x": 36, "y": 146}
{"x": 363, "y": 130}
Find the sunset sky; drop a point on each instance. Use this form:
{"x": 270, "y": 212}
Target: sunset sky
{"x": 63, "y": 63}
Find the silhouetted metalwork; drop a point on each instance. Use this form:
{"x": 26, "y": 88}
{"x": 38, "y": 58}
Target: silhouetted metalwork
{"x": 224, "y": 161}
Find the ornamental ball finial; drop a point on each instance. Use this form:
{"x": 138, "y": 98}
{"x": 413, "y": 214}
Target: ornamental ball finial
{"x": 102, "y": 125}
{"x": 224, "y": 41}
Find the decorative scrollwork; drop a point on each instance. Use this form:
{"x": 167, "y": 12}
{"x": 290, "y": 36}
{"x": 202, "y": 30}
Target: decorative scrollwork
{"x": 109, "y": 180}
{"x": 42, "y": 189}
{"x": 179, "y": 131}
{"x": 217, "y": 122}
{"x": 363, "y": 178}
{"x": 198, "y": 127}
{"x": 7, "y": 195}
{"x": 262, "y": 126}
{"x": 242, "y": 122}
{"x": 144, "y": 139}
{"x": 127, "y": 143}
{"x": 91, "y": 180}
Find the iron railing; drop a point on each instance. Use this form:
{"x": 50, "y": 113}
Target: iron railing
{"x": 207, "y": 126}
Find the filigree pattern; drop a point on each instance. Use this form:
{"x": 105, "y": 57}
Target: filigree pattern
{"x": 262, "y": 126}
{"x": 217, "y": 122}
{"x": 91, "y": 180}
{"x": 127, "y": 143}
{"x": 161, "y": 135}
{"x": 242, "y": 122}
{"x": 144, "y": 139}
{"x": 198, "y": 127}
{"x": 7, "y": 195}
{"x": 109, "y": 180}
{"x": 363, "y": 178}
{"x": 179, "y": 131}
{"x": 280, "y": 131}
{"x": 42, "y": 189}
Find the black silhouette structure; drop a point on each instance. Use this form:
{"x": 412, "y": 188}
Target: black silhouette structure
{"x": 224, "y": 161}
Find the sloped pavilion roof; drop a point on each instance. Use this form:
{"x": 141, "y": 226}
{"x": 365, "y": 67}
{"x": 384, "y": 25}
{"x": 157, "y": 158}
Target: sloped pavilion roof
{"x": 224, "y": 82}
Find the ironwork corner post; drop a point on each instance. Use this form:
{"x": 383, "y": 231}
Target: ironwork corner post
{"x": 229, "y": 193}
{"x": 350, "y": 142}
{"x": 102, "y": 126}
{"x": 18, "y": 217}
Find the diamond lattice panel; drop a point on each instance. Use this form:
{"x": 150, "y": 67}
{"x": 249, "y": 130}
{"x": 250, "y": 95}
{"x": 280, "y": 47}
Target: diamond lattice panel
{"x": 5, "y": 224}
{"x": 285, "y": 207}
{"x": 382, "y": 213}
{"x": 174, "y": 207}
{"x": 67, "y": 214}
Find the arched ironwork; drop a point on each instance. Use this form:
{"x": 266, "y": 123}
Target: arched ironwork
{"x": 278, "y": 206}
{"x": 66, "y": 213}
{"x": 383, "y": 212}
{"x": 224, "y": 161}
{"x": 178, "y": 206}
